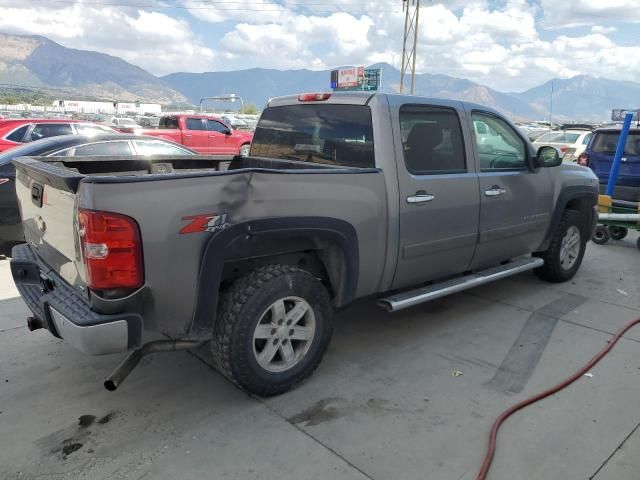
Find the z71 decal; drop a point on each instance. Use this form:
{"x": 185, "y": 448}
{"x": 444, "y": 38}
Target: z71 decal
{"x": 208, "y": 222}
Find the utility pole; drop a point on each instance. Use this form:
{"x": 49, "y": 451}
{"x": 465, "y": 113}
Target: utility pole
{"x": 410, "y": 41}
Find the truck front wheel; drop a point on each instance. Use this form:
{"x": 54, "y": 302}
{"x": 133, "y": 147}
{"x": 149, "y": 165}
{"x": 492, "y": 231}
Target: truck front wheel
{"x": 564, "y": 256}
{"x": 244, "y": 150}
{"x": 273, "y": 328}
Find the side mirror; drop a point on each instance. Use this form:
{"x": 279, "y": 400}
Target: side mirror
{"x": 227, "y": 131}
{"x": 548, "y": 157}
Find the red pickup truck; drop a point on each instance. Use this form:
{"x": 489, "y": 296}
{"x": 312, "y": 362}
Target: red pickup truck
{"x": 204, "y": 134}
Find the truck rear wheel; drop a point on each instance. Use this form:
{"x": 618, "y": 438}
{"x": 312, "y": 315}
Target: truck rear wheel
{"x": 273, "y": 328}
{"x": 564, "y": 256}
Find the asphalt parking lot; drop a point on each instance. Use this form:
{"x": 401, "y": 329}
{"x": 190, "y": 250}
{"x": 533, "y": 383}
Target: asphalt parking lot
{"x": 384, "y": 404}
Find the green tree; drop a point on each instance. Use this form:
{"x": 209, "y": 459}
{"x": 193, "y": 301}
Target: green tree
{"x": 250, "y": 109}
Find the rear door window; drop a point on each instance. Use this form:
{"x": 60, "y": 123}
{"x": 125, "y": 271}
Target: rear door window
{"x": 317, "y": 133}
{"x": 150, "y": 147}
{"x": 432, "y": 140}
{"x": 607, "y": 142}
{"x": 17, "y": 135}
{"x": 103, "y": 148}
{"x": 45, "y": 130}
{"x": 89, "y": 129}
{"x": 195, "y": 124}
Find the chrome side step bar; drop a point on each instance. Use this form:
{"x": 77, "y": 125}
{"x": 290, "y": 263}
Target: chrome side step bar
{"x": 408, "y": 299}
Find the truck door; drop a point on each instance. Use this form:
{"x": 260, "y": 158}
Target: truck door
{"x": 196, "y": 135}
{"x": 515, "y": 200}
{"x": 219, "y": 138}
{"x": 439, "y": 194}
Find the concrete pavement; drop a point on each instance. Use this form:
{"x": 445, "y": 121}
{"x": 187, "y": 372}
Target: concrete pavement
{"x": 383, "y": 405}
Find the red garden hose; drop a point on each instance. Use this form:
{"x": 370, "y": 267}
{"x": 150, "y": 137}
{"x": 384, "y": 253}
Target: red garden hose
{"x": 482, "y": 474}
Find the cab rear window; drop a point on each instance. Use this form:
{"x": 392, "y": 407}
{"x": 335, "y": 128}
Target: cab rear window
{"x": 607, "y": 142}
{"x": 316, "y": 133}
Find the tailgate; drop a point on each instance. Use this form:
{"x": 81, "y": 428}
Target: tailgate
{"x": 47, "y": 199}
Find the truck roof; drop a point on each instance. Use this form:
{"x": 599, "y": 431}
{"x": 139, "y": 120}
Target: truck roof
{"x": 363, "y": 98}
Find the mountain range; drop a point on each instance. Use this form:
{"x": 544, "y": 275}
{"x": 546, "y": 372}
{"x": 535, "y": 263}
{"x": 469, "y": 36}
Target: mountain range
{"x": 39, "y": 63}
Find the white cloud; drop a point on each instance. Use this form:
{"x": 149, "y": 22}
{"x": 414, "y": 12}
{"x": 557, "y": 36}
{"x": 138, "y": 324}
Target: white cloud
{"x": 245, "y": 11}
{"x": 508, "y": 45}
{"x": 152, "y": 40}
{"x": 589, "y": 12}
{"x": 601, "y": 29}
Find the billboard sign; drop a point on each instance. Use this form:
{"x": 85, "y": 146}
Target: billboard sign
{"x": 618, "y": 114}
{"x": 355, "y": 78}
{"x": 347, "y": 77}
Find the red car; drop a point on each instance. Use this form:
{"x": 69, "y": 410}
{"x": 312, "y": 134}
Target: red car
{"x": 202, "y": 133}
{"x": 19, "y": 131}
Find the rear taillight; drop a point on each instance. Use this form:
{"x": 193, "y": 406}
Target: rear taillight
{"x": 583, "y": 160}
{"x": 3, "y": 181}
{"x": 314, "y": 97}
{"x": 111, "y": 250}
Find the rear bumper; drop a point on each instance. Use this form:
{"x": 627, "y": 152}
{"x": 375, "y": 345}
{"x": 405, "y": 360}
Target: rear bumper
{"x": 66, "y": 314}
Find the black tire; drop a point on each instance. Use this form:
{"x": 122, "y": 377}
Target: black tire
{"x": 553, "y": 269}
{"x": 601, "y": 235}
{"x": 245, "y": 304}
{"x": 244, "y": 150}
{"x": 618, "y": 233}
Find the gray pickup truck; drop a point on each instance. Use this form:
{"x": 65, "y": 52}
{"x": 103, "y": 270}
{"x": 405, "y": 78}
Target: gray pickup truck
{"x": 343, "y": 196}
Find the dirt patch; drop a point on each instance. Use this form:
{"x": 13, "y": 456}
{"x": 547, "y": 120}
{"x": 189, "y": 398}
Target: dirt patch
{"x": 69, "y": 448}
{"x": 85, "y": 421}
{"x": 332, "y": 408}
{"x": 107, "y": 418}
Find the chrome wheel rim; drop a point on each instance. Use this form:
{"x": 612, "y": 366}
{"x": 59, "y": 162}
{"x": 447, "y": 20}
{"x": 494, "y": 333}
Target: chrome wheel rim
{"x": 284, "y": 334}
{"x": 244, "y": 151}
{"x": 570, "y": 247}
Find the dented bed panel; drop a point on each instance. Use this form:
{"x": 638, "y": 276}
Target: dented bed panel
{"x": 168, "y": 212}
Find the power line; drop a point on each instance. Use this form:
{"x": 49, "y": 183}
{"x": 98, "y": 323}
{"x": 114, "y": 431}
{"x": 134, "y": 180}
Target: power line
{"x": 231, "y": 6}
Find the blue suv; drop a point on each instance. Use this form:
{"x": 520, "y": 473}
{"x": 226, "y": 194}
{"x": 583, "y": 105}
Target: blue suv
{"x": 599, "y": 157}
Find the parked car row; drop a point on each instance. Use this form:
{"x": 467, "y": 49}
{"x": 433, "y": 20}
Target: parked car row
{"x": 80, "y": 145}
{"x": 569, "y": 143}
{"x": 203, "y": 133}
{"x": 15, "y": 132}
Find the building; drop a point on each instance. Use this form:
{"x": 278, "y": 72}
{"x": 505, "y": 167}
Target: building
{"x": 113, "y": 108}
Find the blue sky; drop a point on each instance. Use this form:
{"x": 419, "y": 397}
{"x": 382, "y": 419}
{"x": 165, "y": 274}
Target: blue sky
{"x": 509, "y": 45}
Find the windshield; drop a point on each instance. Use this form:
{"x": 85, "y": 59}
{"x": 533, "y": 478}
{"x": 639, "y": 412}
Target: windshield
{"x": 127, "y": 121}
{"x": 558, "y": 137}
{"x": 607, "y": 142}
{"x": 327, "y": 133}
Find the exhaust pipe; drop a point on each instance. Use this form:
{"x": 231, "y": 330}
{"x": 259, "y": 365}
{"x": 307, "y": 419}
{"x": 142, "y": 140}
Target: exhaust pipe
{"x": 123, "y": 370}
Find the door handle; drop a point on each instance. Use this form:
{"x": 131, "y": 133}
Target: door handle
{"x": 495, "y": 191}
{"x": 187, "y": 135}
{"x": 420, "y": 197}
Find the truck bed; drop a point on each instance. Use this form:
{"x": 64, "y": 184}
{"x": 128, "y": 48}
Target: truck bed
{"x": 239, "y": 190}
